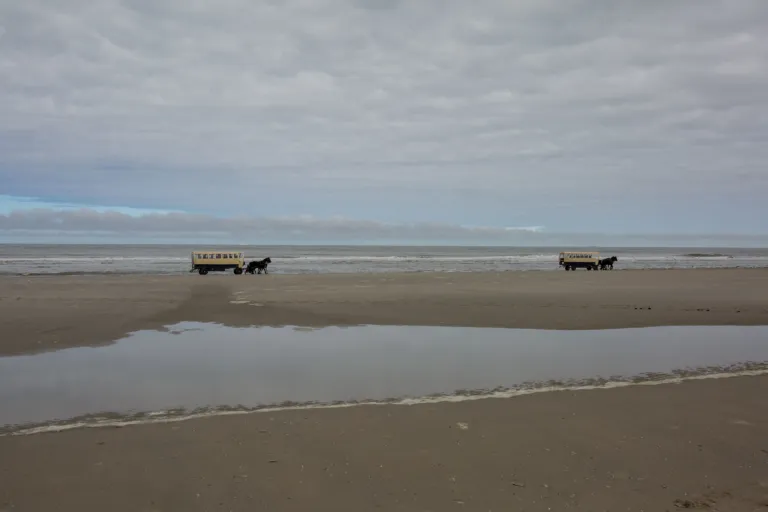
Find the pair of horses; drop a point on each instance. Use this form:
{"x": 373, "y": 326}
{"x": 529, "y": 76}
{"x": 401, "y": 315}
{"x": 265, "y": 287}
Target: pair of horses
{"x": 258, "y": 266}
{"x": 607, "y": 263}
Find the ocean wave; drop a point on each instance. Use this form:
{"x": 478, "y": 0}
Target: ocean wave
{"x": 367, "y": 258}
{"x": 707, "y": 255}
{"x": 422, "y": 258}
{"x": 506, "y": 258}
{"x": 90, "y": 259}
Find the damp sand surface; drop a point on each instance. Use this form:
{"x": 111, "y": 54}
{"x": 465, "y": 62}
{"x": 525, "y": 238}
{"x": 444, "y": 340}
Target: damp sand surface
{"x": 695, "y": 444}
{"x": 698, "y": 444}
{"x": 41, "y": 313}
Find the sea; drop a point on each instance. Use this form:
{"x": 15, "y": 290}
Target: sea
{"x": 319, "y": 259}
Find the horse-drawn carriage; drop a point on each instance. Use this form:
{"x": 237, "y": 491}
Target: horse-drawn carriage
{"x": 217, "y": 261}
{"x": 585, "y": 259}
{"x": 220, "y": 261}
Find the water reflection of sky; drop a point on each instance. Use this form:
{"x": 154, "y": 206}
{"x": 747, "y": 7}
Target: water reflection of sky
{"x": 196, "y": 365}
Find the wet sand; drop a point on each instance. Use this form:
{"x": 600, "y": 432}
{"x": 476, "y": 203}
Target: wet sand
{"x": 46, "y": 312}
{"x": 701, "y": 444}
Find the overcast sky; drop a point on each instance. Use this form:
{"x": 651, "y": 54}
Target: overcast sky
{"x": 626, "y": 118}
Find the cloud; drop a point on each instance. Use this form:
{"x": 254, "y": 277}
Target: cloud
{"x": 482, "y": 112}
{"x": 305, "y": 227}
{"x": 67, "y": 224}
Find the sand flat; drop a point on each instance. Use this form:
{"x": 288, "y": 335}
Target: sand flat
{"x": 50, "y": 312}
{"x": 700, "y": 445}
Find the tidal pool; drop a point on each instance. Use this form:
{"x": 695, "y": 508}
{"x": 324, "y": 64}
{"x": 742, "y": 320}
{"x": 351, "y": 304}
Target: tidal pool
{"x": 193, "y": 365}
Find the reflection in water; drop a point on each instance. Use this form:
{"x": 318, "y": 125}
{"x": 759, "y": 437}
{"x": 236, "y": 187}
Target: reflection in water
{"x": 195, "y": 365}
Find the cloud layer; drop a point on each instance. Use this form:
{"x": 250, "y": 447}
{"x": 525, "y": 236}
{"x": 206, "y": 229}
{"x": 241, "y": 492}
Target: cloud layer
{"x": 61, "y": 225}
{"x": 307, "y": 228}
{"x": 651, "y": 115}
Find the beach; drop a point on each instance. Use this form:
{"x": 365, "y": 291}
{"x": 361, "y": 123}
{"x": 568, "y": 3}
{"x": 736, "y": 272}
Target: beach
{"x": 698, "y": 444}
{"x": 51, "y": 312}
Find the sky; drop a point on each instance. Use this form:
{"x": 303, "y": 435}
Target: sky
{"x": 421, "y": 121}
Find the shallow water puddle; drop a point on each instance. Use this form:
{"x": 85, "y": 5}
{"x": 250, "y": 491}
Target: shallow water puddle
{"x": 204, "y": 365}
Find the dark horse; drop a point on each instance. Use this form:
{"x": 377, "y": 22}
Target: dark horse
{"x": 258, "y": 266}
{"x": 607, "y": 262}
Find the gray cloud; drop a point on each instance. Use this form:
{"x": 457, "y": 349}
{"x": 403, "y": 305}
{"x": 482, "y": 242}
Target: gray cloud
{"x": 204, "y": 105}
{"x": 63, "y": 224}
{"x": 85, "y": 221}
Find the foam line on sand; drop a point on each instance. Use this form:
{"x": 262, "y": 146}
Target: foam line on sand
{"x": 170, "y": 417}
